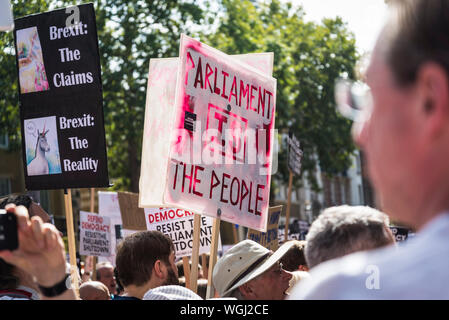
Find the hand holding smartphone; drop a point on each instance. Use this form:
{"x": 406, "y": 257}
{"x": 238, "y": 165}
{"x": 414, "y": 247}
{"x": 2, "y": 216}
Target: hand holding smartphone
{"x": 8, "y": 231}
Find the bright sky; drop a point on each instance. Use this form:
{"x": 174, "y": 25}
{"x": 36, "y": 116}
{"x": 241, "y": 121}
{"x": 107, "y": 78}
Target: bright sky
{"x": 364, "y": 17}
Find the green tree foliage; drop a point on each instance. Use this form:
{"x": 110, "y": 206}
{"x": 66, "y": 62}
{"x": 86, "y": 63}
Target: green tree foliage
{"x": 308, "y": 57}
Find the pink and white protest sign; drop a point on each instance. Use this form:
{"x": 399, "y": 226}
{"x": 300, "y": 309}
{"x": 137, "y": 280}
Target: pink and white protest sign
{"x": 95, "y": 234}
{"x": 159, "y": 114}
{"x": 216, "y": 157}
{"x": 156, "y": 133}
{"x": 178, "y": 225}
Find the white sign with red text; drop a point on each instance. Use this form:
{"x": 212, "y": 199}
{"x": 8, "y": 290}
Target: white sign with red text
{"x": 218, "y": 159}
{"x": 95, "y": 234}
{"x": 178, "y": 225}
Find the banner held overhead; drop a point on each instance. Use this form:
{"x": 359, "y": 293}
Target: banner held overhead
{"x": 220, "y": 112}
{"x": 222, "y": 141}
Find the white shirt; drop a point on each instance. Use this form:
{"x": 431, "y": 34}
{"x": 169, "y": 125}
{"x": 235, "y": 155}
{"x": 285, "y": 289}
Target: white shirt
{"x": 419, "y": 269}
{"x": 171, "y": 292}
{"x": 21, "y": 293}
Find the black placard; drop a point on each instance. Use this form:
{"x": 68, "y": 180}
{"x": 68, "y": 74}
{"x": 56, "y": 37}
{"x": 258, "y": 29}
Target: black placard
{"x": 61, "y": 100}
{"x": 400, "y": 233}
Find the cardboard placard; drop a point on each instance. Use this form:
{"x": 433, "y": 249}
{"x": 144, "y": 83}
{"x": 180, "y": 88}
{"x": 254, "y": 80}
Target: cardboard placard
{"x": 61, "y": 101}
{"x": 133, "y": 217}
{"x": 95, "y": 234}
{"x": 235, "y": 126}
{"x": 269, "y": 239}
{"x": 178, "y": 225}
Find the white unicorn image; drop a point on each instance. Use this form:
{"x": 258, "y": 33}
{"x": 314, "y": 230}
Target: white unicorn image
{"x": 39, "y": 165}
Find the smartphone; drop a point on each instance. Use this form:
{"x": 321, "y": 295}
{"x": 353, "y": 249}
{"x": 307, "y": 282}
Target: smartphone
{"x": 6, "y": 18}
{"x": 8, "y": 231}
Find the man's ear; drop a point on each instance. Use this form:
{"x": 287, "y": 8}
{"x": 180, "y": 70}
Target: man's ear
{"x": 246, "y": 290}
{"x": 433, "y": 88}
{"x": 159, "y": 269}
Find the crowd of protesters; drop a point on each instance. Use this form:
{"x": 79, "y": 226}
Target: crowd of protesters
{"x": 145, "y": 261}
{"x": 404, "y": 133}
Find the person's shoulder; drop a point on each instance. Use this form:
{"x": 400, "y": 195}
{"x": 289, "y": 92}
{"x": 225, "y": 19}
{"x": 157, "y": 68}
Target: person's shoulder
{"x": 333, "y": 278}
{"x": 362, "y": 275}
{"x": 19, "y": 293}
{"x": 413, "y": 271}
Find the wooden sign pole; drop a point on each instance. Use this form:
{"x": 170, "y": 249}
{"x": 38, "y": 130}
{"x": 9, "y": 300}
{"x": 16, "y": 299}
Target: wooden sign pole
{"x": 71, "y": 239}
{"x": 92, "y": 208}
{"x": 94, "y": 268}
{"x": 204, "y": 264}
{"x": 234, "y": 231}
{"x": 195, "y": 252}
{"x": 186, "y": 267}
{"x": 289, "y": 200}
{"x": 92, "y": 199}
{"x": 213, "y": 257}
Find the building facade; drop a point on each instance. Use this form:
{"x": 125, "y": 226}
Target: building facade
{"x": 350, "y": 187}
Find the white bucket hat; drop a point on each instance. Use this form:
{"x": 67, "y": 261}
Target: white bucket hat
{"x": 244, "y": 262}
